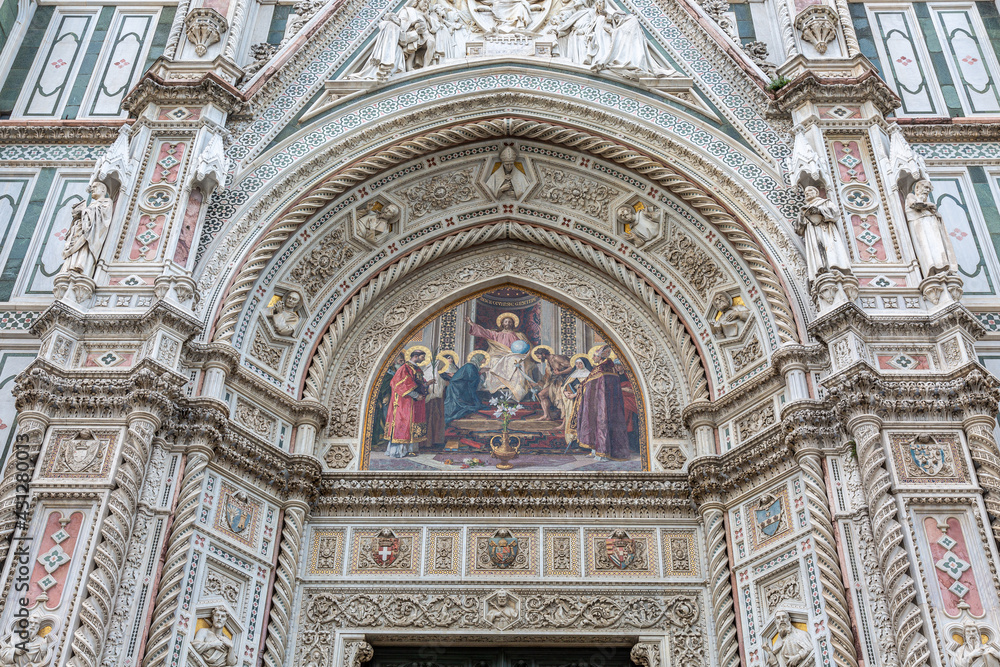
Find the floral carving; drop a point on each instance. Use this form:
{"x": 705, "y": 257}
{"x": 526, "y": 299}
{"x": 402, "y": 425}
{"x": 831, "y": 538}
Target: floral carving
{"x": 255, "y": 419}
{"x": 748, "y": 354}
{"x": 313, "y": 272}
{"x": 693, "y": 264}
{"x": 440, "y": 192}
{"x": 580, "y": 194}
{"x": 671, "y": 457}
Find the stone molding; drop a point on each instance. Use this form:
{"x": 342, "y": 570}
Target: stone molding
{"x": 209, "y": 89}
{"x": 812, "y": 88}
{"x": 697, "y": 195}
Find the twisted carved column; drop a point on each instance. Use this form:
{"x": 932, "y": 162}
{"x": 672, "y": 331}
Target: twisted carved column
{"x": 911, "y": 643}
{"x": 705, "y": 482}
{"x": 32, "y": 425}
{"x": 831, "y": 578}
{"x": 879, "y": 610}
{"x": 847, "y": 26}
{"x": 983, "y": 448}
{"x": 284, "y": 584}
{"x": 116, "y": 533}
{"x": 171, "y": 582}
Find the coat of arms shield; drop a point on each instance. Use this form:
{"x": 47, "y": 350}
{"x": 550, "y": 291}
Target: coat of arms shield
{"x": 239, "y": 512}
{"x": 81, "y": 451}
{"x": 621, "y": 549}
{"x": 768, "y": 514}
{"x": 502, "y": 548}
{"x": 385, "y": 548}
{"x": 928, "y": 455}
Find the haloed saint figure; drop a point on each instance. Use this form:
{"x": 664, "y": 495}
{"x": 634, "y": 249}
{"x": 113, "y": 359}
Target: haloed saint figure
{"x": 506, "y": 365}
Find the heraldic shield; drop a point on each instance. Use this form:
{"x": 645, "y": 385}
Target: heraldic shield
{"x": 621, "y": 549}
{"x": 239, "y": 512}
{"x": 502, "y": 548}
{"x": 385, "y": 548}
{"x": 768, "y": 514}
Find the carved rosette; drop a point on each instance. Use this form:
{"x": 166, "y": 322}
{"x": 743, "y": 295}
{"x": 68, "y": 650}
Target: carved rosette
{"x": 204, "y": 27}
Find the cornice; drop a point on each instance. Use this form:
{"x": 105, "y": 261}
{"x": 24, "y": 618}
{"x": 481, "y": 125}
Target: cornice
{"x": 60, "y": 131}
{"x": 921, "y": 325}
{"x": 57, "y": 392}
{"x": 199, "y": 419}
{"x": 769, "y": 381}
{"x": 810, "y": 424}
{"x": 933, "y": 130}
{"x": 285, "y": 474}
{"x": 252, "y": 386}
{"x": 712, "y": 477}
{"x": 160, "y": 313}
{"x": 861, "y": 390}
{"x": 811, "y": 88}
{"x": 210, "y": 88}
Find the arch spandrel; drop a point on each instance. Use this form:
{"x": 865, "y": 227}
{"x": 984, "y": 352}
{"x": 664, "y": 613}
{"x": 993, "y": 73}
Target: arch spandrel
{"x": 665, "y": 362}
{"x": 476, "y": 378}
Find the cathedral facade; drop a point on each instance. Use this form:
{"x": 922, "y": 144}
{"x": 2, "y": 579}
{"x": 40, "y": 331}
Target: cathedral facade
{"x": 526, "y": 333}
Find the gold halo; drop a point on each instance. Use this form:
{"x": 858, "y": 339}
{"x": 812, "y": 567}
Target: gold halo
{"x": 592, "y": 351}
{"x": 540, "y": 347}
{"x": 501, "y": 316}
{"x": 447, "y": 354}
{"x": 482, "y": 352}
{"x": 423, "y": 348}
{"x": 572, "y": 360}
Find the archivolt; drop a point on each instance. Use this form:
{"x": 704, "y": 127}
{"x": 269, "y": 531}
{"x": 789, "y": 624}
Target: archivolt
{"x": 680, "y": 185}
{"x": 401, "y": 295}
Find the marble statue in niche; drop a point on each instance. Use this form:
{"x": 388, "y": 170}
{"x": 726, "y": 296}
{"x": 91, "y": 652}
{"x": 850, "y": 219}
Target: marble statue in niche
{"x": 377, "y": 221}
{"x": 791, "y": 646}
{"x": 511, "y": 361}
{"x": 28, "y": 647}
{"x": 508, "y": 179}
{"x": 973, "y": 651}
{"x": 587, "y": 33}
{"x": 819, "y": 225}
{"x": 931, "y": 244}
{"x": 730, "y": 313}
{"x": 214, "y": 644}
{"x": 284, "y": 313}
{"x": 87, "y": 231}
{"x": 639, "y": 224}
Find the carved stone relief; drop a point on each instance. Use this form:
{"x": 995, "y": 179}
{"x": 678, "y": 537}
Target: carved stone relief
{"x": 693, "y": 264}
{"x": 222, "y": 586}
{"x": 755, "y": 421}
{"x": 323, "y": 262}
{"x": 255, "y": 419}
{"x": 441, "y": 191}
{"x": 574, "y": 191}
{"x": 784, "y": 589}
{"x": 671, "y": 457}
{"x": 747, "y": 354}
